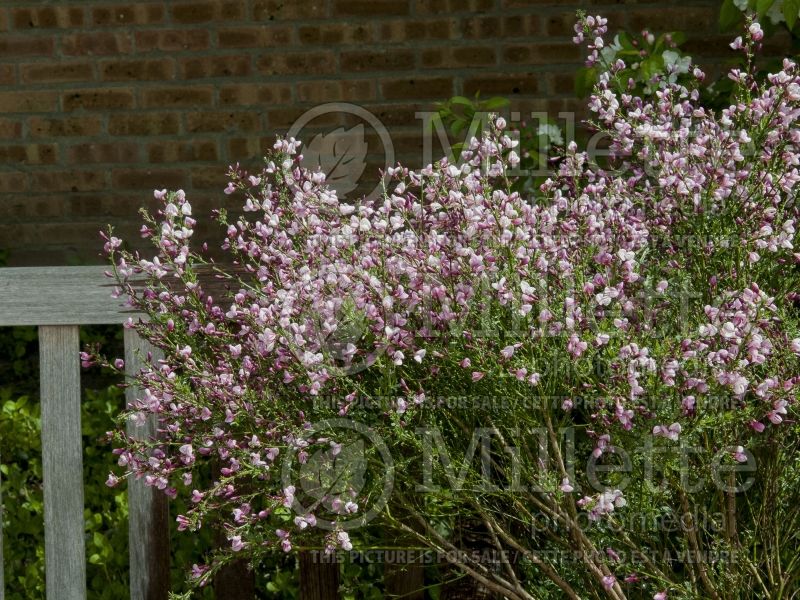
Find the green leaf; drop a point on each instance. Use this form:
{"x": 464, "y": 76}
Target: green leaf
{"x": 461, "y": 100}
{"x": 678, "y": 37}
{"x": 625, "y": 41}
{"x": 585, "y": 80}
{"x": 762, "y": 6}
{"x": 652, "y": 66}
{"x": 495, "y": 103}
{"x": 791, "y": 8}
{"x": 729, "y": 16}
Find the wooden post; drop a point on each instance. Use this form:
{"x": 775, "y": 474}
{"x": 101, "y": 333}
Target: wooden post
{"x": 147, "y": 507}
{"x": 235, "y": 581}
{"x": 405, "y": 580}
{"x": 319, "y": 578}
{"x": 62, "y": 462}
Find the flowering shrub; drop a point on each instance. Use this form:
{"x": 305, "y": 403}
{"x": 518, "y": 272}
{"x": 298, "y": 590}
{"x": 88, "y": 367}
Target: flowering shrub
{"x": 642, "y": 315}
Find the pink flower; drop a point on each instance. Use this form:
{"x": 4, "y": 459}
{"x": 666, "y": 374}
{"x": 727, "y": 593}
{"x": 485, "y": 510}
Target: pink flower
{"x": 739, "y": 454}
{"x": 508, "y": 351}
{"x": 777, "y": 412}
{"x": 565, "y": 486}
{"x": 671, "y": 432}
{"x": 236, "y": 543}
{"x": 609, "y": 581}
{"x": 477, "y": 375}
{"x": 660, "y": 595}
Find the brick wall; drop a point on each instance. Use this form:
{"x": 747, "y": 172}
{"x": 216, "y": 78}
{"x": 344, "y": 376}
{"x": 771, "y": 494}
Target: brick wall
{"x": 102, "y": 101}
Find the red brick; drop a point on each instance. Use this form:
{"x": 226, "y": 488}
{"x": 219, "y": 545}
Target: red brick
{"x": 65, "y": 127}
{"x": 377, "y": 61}
{"x": 16, "y": 46}
{"x": 137, "y": 70}
{"x": 54, "y": 72}
{"x": 522, "y": 26}
{"x": 350, "y": 90}
{"x": 541, "y": 54}
{"x": 27, "y": 102}
{"x": 438, "y": 7}
{"x": 47, "y": 17}
{"x": 10, "y": 128}
{"x": 338, "y": 34}
{"x": 297, "y": 63}
{"x": 562, "y": 83}
{"x": 189, "y": 151}
{"x": 143, "y": 179}
{"x": 465, "y": 56}
{"x": 29, "y": 154}
{"x": 282, "y": 118}
{"x": 172, "y": 40}
{"x": 7, "y": 75}
{"x": 396, "y": 114}
{"x": 203, "y": 12}
{"x": 3, "y": 20}
{"x": 404, "y": 30}
{"x": 530, "y": 3}
{"x": 279, "y": 10}
{"x": 67, "y": 181}
{"x": 96, "y": 44}
{"x": 204, "y": 178}
{"x": 144, "y": 124}
{"x": 243, "y": 148}
{"x": 30, "y": 207}
{"x": 369, "y": 8}
{"x": 98, "y": 99}
{"x": 13, "y": 182}
{"x": 561, "y": 25}
{"x": 103, "y": 152}
{"x": 249, "y": 94}
{"x": 419, "y": 87}
{"x": 177, "y": 97}
{"x": 671, "y": 18}
{"x": 481, "y": 27}
{"x": 136, "y": 14}
{"x": 215, "y": 66}
{"x": 503, "y": 85}
{"x": 222, "y": 121}
{"x": 254, "y": 37}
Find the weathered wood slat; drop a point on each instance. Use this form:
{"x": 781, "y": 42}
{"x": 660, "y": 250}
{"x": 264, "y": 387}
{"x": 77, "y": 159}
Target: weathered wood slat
{"x": 62, "y": 462}
{"x": 319, "y": 578}
{"x": 148, "y": 508}
{"x": 58, "y": 296}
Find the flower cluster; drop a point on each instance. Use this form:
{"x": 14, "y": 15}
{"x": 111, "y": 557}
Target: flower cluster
{"x": 451, "y": 280}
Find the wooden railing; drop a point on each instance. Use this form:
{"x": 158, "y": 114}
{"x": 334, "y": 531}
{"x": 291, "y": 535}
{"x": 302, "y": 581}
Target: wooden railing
{"x": 58, "y": 301}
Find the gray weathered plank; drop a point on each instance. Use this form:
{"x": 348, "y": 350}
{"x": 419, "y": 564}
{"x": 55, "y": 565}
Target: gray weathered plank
{"x": 148, "y": 508}
{"x": 62, "y": 462}
{"x": 58, "y": 296}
